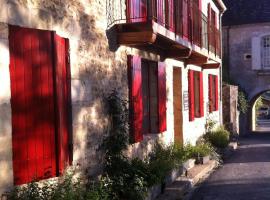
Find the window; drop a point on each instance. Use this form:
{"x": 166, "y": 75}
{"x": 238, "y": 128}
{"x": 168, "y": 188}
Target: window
{"x": 265, "y": 48}
{"x": 40, "y": 101}
{"x": 150, "y": 96}
{"x": 196, "y": 104}
{"x": 147, "y": 95}
{"x": 213, "y": 93}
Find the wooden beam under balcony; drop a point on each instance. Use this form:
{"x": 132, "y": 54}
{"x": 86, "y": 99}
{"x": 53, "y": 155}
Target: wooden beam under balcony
{"x": 178, "y": 53}
{"x": 136, "y": 38}
{"x": 211, "y": 65}
{"x": 196, "y": 60}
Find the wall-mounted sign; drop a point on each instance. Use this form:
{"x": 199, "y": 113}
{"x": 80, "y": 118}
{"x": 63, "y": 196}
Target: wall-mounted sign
{"x": 185, "y": 100}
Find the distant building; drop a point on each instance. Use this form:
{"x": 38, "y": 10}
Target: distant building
{"x": 246, "y": 51}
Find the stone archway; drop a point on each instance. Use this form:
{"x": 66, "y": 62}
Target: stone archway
{"x": 254, "y": 119}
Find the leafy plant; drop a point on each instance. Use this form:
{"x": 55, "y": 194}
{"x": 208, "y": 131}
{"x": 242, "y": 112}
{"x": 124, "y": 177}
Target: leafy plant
{"x": 218, "y": 138}
{"x": 66, "y": 188}
{"x": 124, "y": 178}
{"x": 210, "y": 124}
{"x": 243, "y": 104}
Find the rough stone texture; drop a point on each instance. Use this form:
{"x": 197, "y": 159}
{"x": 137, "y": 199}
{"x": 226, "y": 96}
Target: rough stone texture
{"x": 98, "y": 65}
{"x": 237, "y": 43}
{"x": 230, "y": 111}
{"x": 245, "y": 175}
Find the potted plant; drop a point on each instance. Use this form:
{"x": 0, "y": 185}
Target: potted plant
{"x": 202, "y": 153}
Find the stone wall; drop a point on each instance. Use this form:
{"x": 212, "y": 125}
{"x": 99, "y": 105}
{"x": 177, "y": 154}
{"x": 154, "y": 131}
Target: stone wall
{"x": 230, "y": 111}
{"x": 96, "y": 69}
{"x": 237, "y": 42}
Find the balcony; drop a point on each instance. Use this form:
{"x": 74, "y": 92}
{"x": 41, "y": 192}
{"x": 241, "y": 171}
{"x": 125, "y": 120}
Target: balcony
{"x": 175, "y": 29}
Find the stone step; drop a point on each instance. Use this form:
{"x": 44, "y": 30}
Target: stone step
{"x": 178, "y": 189}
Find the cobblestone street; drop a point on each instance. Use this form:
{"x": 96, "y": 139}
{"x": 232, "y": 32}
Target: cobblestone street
{"x": 245, "y": 176}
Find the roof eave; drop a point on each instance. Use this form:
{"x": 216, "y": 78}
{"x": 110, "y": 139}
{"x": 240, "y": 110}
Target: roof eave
{"x": 222, "y": 6}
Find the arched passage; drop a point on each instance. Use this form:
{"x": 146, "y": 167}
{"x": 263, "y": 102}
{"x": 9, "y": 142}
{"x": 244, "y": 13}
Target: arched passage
{"x": 260, "y": 112}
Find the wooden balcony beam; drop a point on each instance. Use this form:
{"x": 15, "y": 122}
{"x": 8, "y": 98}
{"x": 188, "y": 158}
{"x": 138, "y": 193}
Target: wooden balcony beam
{"x": 211, "y": 65}
{"x": 196, "y": 60}
{"x": 136, "y": 38}
{"x": 179, "y": 53}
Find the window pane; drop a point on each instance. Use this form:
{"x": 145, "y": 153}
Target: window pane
{"x": 265, "y": 47}
{"x": 145, "y": 91}
{"x": 153, "y": 97}
{"x": 197, "y": 93}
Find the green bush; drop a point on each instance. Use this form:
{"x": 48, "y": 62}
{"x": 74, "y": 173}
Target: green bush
{"x": 219, "y": 138}
{"x": 66, "y": 188}
{"x": 202, "y": 149}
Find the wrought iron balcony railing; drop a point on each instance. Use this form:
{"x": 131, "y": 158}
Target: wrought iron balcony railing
{"x": 183, "y": 17}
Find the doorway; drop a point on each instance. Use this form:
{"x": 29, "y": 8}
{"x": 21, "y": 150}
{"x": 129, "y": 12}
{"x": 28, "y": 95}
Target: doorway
{"x": 177, "y": 105}
{"x": 261, "y": 113}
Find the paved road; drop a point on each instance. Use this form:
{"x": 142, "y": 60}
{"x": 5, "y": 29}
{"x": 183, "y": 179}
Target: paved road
{"x": 245, "y": 176}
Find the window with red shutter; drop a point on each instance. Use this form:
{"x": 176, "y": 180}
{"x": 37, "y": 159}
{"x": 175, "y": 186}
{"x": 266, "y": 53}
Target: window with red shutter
{"x": 135, "y": 97}
{"x": 210, "y": 90}
{"x": 162, "y": 96}
{"x": 150, "y": 97}
{"x": 198, "y": 94}
{"x": 191, "y": 95}
{"x": 216, "y": 93}
{"x": 213, "y": 93}
{"x": 201, "y": 95}
{"x": 34, "y": 109}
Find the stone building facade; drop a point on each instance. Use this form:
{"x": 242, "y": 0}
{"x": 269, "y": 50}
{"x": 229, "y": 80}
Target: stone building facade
{"x": 245, "y": 45}
{"x": 98, "y": 64}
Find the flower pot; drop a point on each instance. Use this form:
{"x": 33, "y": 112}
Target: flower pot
{"x": 202, "y": 160}
{"x": 189, "y": 164}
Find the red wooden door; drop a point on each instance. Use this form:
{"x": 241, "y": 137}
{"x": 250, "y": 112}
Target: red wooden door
{"x": 32, "y": 101}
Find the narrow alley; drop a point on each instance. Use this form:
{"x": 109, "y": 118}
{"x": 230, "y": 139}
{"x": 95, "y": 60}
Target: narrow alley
{"x": 244, "y": 176}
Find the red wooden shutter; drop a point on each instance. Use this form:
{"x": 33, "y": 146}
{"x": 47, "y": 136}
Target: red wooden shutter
{"x": 210, "y": 86}
{"x": 201, "y": 95}
{"x": 135, "y": 96}
{"x": 170, "y": 14}
{"x": 191, "y": 95}
{"x": 191, "y": 20}
{"x": 209, "y": 25}
{"x": 32, "y": 102}
{"x": 160, "y": 12}
{"x": 216, "y": 93}
{"x": 162, "y": 96}
{"x": 136, "y": 10}
{"x": 62, "y": 100}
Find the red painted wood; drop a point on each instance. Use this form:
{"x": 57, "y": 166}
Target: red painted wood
{"x": 135, "y": 96}
{"x": 191, "y": 95}
{"x": 162, "y": 96}
{"x": 170, "y": 15}
{"x": 69, "y": 101}
{"x": 201, "y": 95}
{"x": 61, "y": 93}
{"x": 136, "y": 11}
{"x": 160, "y": 12}
{"x": 210, "y": 89}
{"x": 32, "y": 104}
{"x": 185, "y": 18}
{"x": 216, "y": 93}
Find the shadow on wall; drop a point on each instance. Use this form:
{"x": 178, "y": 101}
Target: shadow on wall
{"x": 95, "y": 69}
